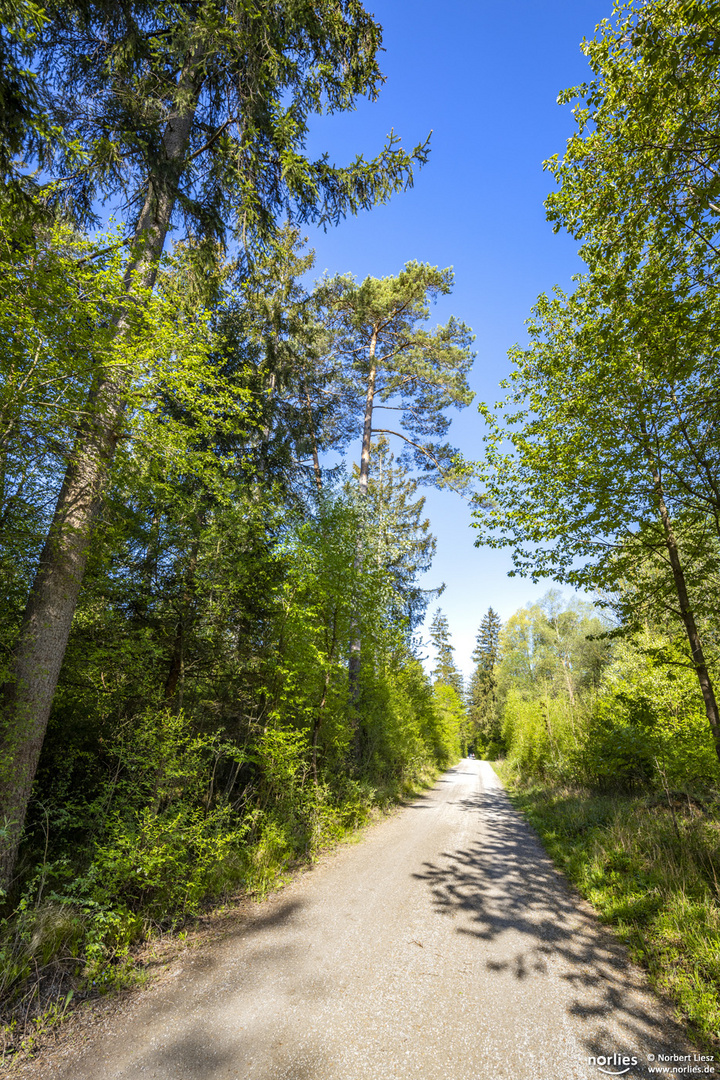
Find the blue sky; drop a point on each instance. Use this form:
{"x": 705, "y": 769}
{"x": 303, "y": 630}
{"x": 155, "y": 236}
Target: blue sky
{"x": 485, "y": 78}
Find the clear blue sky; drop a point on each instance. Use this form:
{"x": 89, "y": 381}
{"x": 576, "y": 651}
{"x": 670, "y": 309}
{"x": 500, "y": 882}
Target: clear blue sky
{"x": 485, "y": 77}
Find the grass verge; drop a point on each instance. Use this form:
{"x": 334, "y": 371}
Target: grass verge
{"x": 650, "y": 866}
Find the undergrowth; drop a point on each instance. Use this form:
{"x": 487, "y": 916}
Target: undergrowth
{"x": 649, "y": 863}
{"x": 60, "y": 946}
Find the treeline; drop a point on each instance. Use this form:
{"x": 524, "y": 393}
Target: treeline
{"x": 207, "y": 634}
{"x": 570, "y": 697}
{"x": 599, "y": 732}
{"x": 602, "y": 463}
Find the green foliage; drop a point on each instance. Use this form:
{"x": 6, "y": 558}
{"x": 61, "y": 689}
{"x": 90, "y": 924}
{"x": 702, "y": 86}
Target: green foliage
{"x": 452, "y": 729}
{"x": 640, "y": 170}
{"x": 401, "y": 540}
{"x": 203, "y": 736}
{"x": 594, "y": 479}
{"x": 244, "y": 161}
{"x": 445, "y": 670}
{"x": 157, "y": 833}
{"x": 483, "y": 715}
{"x": 385, "y": 358}
{"x": 579, "y": 707}
{"x": 648, "y": 720}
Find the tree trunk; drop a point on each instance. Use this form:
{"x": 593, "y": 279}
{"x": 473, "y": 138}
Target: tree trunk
{"x": 367, "y": 425}
{"x": 355, "y": 642}
{"x": 317, "y": 724}
{"x": 686, "y": 612}
{"x": 28, "y": 694}
{"x": 311, "y": 429}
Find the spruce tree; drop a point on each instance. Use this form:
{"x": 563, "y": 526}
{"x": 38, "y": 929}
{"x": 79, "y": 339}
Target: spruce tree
{"x": 482, "y": 699}
{"x": 401, "y": 538}
{"x": 445, "y": 670}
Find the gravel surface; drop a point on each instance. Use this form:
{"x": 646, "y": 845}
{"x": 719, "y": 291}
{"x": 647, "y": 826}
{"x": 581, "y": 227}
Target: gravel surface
{"x": 443, "y": 945}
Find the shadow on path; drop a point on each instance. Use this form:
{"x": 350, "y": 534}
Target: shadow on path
{"x": 504, "y": 890}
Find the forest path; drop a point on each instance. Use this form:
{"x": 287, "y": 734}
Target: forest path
{"x": 443, "y": 945}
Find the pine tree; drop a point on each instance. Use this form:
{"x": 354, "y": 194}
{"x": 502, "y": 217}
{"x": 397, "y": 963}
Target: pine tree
{"x": 386, "y": 359}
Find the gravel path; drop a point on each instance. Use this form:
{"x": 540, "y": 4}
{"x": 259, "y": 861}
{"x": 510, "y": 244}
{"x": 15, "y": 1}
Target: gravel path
{"x": 443, "y": 945}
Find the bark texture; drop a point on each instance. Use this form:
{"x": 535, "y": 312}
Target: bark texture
{"x": 28, "y": 694}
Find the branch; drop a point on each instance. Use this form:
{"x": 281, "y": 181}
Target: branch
{"x": 105, "y": 251}
{"x": 428, "y": 455}
{"x": 213, "y": 138}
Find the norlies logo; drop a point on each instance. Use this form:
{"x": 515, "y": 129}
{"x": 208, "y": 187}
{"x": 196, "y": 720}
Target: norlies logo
{"x": 616, "y": 1065}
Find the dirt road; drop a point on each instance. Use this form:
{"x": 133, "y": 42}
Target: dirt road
{"x": 443, "y": 945}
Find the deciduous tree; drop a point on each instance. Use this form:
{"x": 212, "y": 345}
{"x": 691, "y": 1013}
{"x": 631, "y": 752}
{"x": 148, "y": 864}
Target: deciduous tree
{"x": 607, "y": 462}
{"x": 196, "y": 112}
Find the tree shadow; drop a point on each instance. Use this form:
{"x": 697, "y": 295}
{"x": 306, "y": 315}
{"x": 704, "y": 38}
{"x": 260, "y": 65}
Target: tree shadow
{"x": 504, "y": 891}
{"x": 203, "y": 1048}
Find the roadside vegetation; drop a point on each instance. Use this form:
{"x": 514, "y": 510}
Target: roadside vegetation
{"x": 603, "y": 743}
{"x": 647, "y": 862}
{"x": 600, "y": 473}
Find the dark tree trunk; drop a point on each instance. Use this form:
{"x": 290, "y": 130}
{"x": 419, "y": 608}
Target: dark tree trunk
{"x": 686, "y": 613}
{"x": 28, "y": 693}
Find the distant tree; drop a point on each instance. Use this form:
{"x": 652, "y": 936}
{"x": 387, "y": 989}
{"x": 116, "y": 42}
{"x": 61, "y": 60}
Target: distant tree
{"x": 482, "y": 697}
{"x": 486, "y": 651}
{"x": 448, "y": 682}
{"x": 445, "y": 670}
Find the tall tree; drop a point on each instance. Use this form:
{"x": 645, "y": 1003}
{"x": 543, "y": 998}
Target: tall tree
{"x": 487, "y": 643}
{"x": 607, "y": 463}
{"x": 388, "y": 360}
{"x": 483, "y": 683}
{"x": 187, "y": 111}
{"x": 448, "y": 682}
